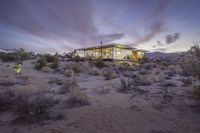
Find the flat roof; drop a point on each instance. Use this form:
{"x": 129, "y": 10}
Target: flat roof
{"x": 107, "y": 46}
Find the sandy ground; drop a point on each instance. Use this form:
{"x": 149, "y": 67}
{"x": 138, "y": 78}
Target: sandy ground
{"x": 110, "y": 111}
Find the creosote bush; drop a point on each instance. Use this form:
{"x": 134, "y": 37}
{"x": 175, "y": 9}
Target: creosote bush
{"x": 51, "y": 58}
{"x": 47, "y": 60}
{"x": 41, "y": 62}
{"x": 76, "y": 68}
{"x": 100, "y": 63}
{"x": 32, "y": 109}
{"x": 77, "y": 98}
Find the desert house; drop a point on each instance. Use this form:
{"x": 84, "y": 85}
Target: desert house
{"x": 113, "y": 52}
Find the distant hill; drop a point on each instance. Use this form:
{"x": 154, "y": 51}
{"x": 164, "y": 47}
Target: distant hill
{"x": 174, "y": 57}
{"x": 158, "y": 54}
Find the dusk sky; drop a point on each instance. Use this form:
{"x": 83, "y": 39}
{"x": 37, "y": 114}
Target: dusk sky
{"x": 64, "y": 25}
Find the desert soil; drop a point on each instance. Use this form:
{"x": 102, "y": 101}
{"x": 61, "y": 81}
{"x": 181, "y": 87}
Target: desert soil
{"x": 142, "y": 111}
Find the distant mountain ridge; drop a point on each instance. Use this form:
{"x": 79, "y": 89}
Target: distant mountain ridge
{"x": 158, "y": 54}
{"x": 164, "y": 55}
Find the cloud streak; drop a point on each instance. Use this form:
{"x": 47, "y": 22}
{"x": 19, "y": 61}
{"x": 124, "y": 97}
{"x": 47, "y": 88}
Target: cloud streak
{"x": 154, "y": 23}
{"x": 172, "y": 38}
{"x": 63, "y": 22}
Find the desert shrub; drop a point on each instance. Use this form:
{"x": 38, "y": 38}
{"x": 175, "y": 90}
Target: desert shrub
{"x": 54, "y": 65}
{"x": 127, "y": 73}
{"x": 170, "y": 73}
{"x": 76, "y": 68}
{"x": 7, "y": 99}
{"x": 168, "y": 84}
{"x": 77, "y": 58}
{"x": 16, "y": 54}
{"x": 51, "y": 58}
{"x": 196, "y": 93}
{"x": 66, "y": 87}
{"x": 93, "y": 71}
{"x": 68, "y": 72}
{"x": 191, "y": 62}
{"x": 77, "y": 98}
{"x": 125, "y": 86}
{"x": 143, "y": 60}
{"x": 109, "y": 74}
{"x": 103, "y": 91}
{"x": 99, "y": 63}
{"x": 149, "y": 66}
{"x": 186, "y": 81}
{"x": 40, "y": 63}
{"x": 124, "y": 63}
{"x": 6, "y": 57}
{"x": 143, "y": 71}
{"x": 34, "y": 109}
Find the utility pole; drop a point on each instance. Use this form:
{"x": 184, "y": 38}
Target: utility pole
{"x": 101, "y": 48}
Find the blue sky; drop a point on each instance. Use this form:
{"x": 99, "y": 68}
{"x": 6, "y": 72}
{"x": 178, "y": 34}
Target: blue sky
{"x": 64, "y": 25}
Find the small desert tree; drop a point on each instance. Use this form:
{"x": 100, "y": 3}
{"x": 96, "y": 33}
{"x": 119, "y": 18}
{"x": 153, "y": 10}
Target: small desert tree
{"x": 191, "y": 66}
{"x": 191, "y": 62}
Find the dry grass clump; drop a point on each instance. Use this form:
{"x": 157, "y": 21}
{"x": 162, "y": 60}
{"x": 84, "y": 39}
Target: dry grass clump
{"x": 93, "y": 71}
{"x": 77, "y": 98}
{"x": 109, "y": 74}
{"x": 176, "y": 68}
{"x": 32, "y": 109}
{"x": 125, "y": 86}
{"x": 126, "y": 64}
{"x": 68, "y": 72}
{"x": 144, "y": 80}
{"x": 75, "y": 67}
{"x": 66, "y": 87}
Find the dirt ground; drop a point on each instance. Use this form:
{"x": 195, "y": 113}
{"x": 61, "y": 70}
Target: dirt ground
{"x": 144, "y": 110}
